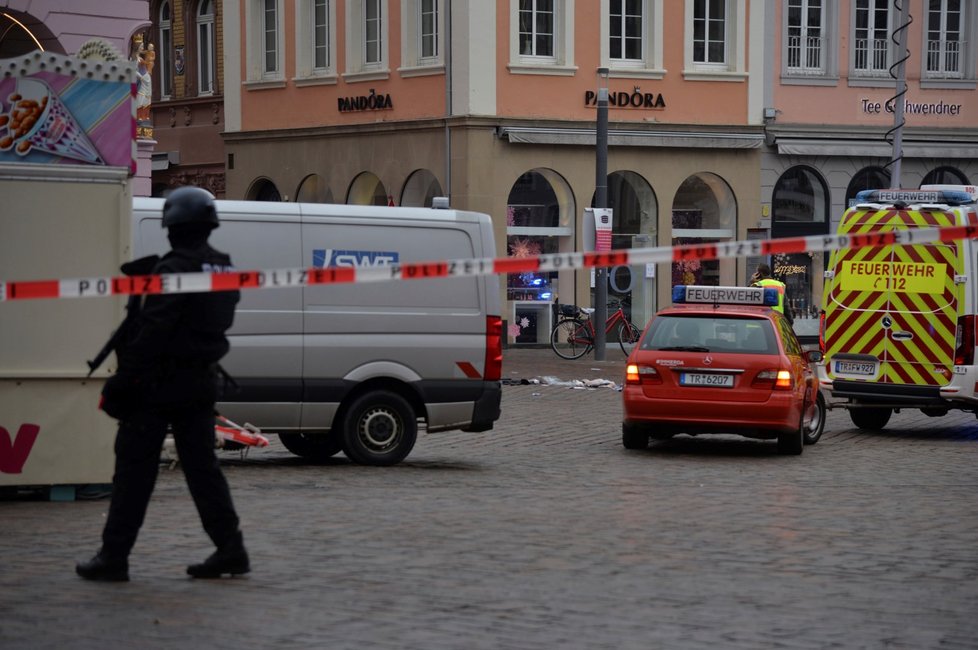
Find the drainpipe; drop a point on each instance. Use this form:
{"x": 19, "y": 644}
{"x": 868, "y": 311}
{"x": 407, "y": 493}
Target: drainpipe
{"x": 448, "y": 99}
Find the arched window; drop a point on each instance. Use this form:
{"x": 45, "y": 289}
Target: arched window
{"x": 945, "y": 176}
{"x": 367, "y": 189}
{"x": 539, "y": 216}
{"x": 799, "y": 207}
{"x": 867, "y": 178}
{"x": 634, "y": 220}
{"x": 21, "y": 33}
{"x": 704, "y": 211}
{"x": 164, "y": 65}
{"x": 313, "y": 189}
{"x": 800, "y": 196}
{"x": 264, "y": 190}
{"x": 421, "y": 187}
{"x": 206, "y": 63}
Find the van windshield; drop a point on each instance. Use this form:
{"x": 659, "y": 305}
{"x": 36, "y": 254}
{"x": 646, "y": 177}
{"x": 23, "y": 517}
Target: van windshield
{"x": 711, "y": 334}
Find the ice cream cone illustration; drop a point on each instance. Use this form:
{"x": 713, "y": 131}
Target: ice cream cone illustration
{"x": 37, "y": 119}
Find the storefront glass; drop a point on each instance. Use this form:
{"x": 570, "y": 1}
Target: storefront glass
{"x": 530, "y": 286}
{"x": 705, "y": 211}
{"x": 867, "y": 178}
{"x": 800, "y": 206}
{"x": 802, "y": 275}
{"x": 945, "y": 176}
{"x": 634, "y": 219}
{"x": 535, "y": 225}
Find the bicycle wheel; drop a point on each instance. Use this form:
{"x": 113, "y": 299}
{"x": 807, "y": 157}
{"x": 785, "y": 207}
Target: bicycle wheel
{"x": 571, "y": 338}
{"x": 628, "y": 336}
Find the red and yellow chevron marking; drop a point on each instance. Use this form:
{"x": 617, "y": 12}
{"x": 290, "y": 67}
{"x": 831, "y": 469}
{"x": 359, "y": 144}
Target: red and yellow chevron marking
{"x": 918, "y": 346}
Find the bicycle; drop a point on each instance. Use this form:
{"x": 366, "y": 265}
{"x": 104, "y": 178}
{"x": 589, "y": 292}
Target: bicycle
{"x": 573, "y": 335}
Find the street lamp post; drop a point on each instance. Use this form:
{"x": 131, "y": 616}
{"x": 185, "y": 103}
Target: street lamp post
{"x": 601, "y": 201}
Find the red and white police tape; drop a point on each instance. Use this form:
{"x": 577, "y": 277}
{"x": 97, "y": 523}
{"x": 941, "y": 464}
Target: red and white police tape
{"x": 300, "y": 277}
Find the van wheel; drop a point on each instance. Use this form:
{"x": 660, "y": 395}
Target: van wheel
{"x": 872, "y": 419}
{"x": 379, "y": 428}
{"x": 315, "y": 446}
{"x": 792, "y": 443}
{"x": 815, "y": 428}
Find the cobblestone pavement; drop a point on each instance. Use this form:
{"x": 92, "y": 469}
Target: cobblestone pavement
{"x": 543, "y": 533}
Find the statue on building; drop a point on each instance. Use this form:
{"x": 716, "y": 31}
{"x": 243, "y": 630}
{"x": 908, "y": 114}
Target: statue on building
{"x": 145, "y": 60}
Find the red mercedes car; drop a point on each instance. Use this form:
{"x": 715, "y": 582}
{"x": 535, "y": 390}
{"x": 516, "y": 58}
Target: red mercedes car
{"x": 722, "y": 360}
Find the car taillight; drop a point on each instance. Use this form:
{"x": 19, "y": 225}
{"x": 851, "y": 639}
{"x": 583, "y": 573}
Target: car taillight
{"x": 494, "y": 349}
{"x": 964, "y": 342}
{"x": 636, "y": 374}
{"x": 773, "y": 379}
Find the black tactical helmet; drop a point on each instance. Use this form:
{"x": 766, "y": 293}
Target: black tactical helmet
{"x": 189, "y": 205}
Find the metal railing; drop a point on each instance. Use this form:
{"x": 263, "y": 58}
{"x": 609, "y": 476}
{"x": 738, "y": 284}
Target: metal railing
{"x": 871, "y": 56}
{"x": 944, "y": 60}
{"x": 805, "y": 55}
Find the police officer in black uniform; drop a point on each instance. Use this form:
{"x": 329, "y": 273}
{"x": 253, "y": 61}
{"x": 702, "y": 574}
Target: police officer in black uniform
{"x": 167, "y": 377}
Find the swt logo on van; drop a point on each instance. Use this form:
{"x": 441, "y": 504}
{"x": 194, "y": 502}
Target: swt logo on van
{"x": 323, "y": 258}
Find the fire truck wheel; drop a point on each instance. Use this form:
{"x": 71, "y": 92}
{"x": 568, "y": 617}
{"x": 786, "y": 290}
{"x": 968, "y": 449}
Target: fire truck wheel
{"x": 870, "y": 419}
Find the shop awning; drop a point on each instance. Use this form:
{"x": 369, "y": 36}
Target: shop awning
{"x": 877, "y": 148}
{"x": 586, "y": 137}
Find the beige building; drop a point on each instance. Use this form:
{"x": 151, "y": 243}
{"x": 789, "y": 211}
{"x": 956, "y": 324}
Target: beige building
{"x": 493, "y": 105}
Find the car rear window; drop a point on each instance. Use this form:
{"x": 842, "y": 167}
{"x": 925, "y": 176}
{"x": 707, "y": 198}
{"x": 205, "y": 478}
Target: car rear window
{"x": 711, "y": 334}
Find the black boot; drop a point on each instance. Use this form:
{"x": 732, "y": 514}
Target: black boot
{"x": 104, "y": 567}
{"x": 230, "y": 558}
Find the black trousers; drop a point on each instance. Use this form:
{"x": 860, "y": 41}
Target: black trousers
{"x": 137, "y": 460}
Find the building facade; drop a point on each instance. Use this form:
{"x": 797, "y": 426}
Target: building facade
{"x": 188, "y": 94}
{"x": 110, "y": 30}
{"x": 832, "y": 101}
{"x": 720, "y": 127}
{"x": 63, "y": 26}
{"x": 493, "y": 105}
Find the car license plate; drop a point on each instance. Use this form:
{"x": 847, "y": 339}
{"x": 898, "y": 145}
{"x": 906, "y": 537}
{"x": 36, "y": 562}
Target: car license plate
{"x": 703, "y": 379}
{"x": 855, "y": 368}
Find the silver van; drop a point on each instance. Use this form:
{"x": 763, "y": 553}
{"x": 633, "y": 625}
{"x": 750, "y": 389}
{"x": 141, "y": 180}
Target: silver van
{"x": 355, "y": 367}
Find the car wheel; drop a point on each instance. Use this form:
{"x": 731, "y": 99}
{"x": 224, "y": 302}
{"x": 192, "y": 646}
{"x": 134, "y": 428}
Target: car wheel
{"x": 315, "y": 446}
{"x": 792, "y": 443}
{"x": 815, "y": 428}
{"x": 379, "y": 428}
{"x": 871, "y": 419}
{"x": 633, "y": 437}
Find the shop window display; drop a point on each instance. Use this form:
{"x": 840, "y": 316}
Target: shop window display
{"x": 530, "y": 286}
{"x": 532, "y": 294}
{"x": 537, "y": 223}
{"x": 706, "y": 272}
{"x": 802, "y": 276}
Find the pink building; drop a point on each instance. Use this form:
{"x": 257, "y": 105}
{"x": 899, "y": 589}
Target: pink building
{"x": 828, "y": 108}
{"x": 63, "y": 26}
{"x": 105, "y": 29}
